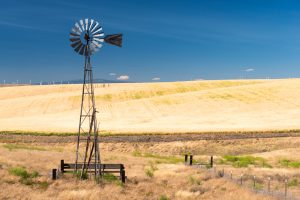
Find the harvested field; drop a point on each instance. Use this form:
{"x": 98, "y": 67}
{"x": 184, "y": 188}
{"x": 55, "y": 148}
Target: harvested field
{"x": 178, "y": 107}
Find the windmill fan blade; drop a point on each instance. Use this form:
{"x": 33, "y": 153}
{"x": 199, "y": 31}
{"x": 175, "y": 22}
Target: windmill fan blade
{"x": 82, "y": 50}
{"x": 75, "y": 44}
{"x": 98, "y": 40}
{"x": 97, "y": 30}
{"x": 92, "y": 21}
{"x": 82, "y": 25}
{"x": 97, "y": 44}
{"x": 86, "y": 24}
{"x": 78, "y": 48}
{"x": 75, "y": 31}
{"x": 115, "y": 39}
{"x": 95, "y": 26}
{"x": 78, "y": 27}
{"x": 74, "y": 39}
{"x": 74, "y": 34}
{"x": 99, "y": 35}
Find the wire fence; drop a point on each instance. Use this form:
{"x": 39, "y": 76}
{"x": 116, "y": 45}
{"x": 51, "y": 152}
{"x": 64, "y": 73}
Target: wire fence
{"x": 260, "y": 185}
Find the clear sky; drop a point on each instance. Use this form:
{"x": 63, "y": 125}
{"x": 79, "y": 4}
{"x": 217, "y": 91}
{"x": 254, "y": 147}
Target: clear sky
{"x": 168, "y": 39}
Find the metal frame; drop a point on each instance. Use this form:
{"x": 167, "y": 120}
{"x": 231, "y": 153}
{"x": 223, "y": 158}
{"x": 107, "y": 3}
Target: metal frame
{"x": 88, "y": 130}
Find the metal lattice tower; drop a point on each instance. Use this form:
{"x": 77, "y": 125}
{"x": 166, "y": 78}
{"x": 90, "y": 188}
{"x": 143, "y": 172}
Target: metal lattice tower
{"x": 86, "y": 38}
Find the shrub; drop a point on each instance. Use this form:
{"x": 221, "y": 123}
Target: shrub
{"x": 244, "y": 161}
{"x": 19, "y": 171}
{"x": 163, "y": 197}
{"x": 26, "y": 178}
{"x": 289, "y": 163}
{"x": 258, "y": 186}
{"x": 109, "y": 177}
{"x": 149, "y": 173}
{"x": 293, "y": 182}
{"x": 34, "y": 174}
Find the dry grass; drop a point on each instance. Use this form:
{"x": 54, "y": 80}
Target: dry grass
{"x": 195, "y": 106}
{"x": 169, "y": 179}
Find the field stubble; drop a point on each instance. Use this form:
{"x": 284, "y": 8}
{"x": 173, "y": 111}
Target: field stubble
{"x": 154, "y": 170}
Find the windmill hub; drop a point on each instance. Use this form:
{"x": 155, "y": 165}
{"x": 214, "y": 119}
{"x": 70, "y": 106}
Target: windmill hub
{"x": 87, "y": 37}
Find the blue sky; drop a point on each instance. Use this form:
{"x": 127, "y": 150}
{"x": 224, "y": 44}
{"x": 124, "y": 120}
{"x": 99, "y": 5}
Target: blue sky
{"x": 167, "y": 39}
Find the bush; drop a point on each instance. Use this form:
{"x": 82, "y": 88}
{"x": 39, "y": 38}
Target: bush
{"x": 109, "y": 177}
{"x": 244, "y": 161}
{"x": 289, "y": 163}
{"x": 293, "y": 182}
{"x": 258, "y": 186}
{"x": 26, "y": 178}
{"x": 19, "y": 171}
{"x": 34, "y": 174}
{"x": 149, "y": 173}
{"x": 163, "y": 197}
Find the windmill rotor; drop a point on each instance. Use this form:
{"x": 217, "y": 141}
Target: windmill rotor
{"x": 86, "y": 37}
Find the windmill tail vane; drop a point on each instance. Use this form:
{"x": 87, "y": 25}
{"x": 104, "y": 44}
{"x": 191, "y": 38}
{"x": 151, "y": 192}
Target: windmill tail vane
{"x": 115, "y": 39}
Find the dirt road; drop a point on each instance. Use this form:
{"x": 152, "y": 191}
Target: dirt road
{"x": 16, "y": 138}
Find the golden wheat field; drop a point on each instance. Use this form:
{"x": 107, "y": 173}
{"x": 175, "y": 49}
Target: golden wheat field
{"x": 175, "y": 107}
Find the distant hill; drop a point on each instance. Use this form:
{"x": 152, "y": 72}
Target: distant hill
{"x": 79, "y": 81}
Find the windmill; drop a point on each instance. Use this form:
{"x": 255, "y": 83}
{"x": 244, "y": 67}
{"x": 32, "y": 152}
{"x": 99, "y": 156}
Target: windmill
{"x": 86, "y": 39}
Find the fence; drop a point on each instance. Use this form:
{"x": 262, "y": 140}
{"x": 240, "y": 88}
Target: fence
{"x": 261, "y": 185}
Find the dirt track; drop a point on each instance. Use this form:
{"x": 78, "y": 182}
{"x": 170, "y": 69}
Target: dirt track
{"x": 11, "y": 138}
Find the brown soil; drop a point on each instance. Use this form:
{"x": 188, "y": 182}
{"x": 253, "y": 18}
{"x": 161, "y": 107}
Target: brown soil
{"x": 24, "y": 138}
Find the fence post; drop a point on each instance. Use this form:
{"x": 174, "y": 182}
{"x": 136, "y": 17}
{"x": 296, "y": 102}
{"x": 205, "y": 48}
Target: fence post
{"x": 191, "y": 159}
{"x": 254, "y": 182}
{"x": 185, "y": 158}
{"x": 211, "y": 161}
{"x": 269, "y": 187}
{"x": 285, "y": 188}
{"x": 231, "y": 175}
{"x": 241, "y": 179}
{"x": 54, "y": 173}
{"x": 62, "y": 166}
{"x": 122, "y": 173}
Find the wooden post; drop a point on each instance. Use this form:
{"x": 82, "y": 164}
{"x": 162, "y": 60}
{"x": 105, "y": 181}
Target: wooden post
{"x": 122, "y": 173}
{"x": 54, "y": 174}
{"x": 269, "y": 187}
{"x": 123, "y": 176}
{"x": 185, "y": 158}
{"x": 254, "y": 182}
{"x": 285, "y": 188}
{"x": 211, "y": 161}
{"x": 191, "y": 159}
{"x": 231, "y": 175}
{"x": 62, "y": 166}
{"x": 241, "y": 179}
